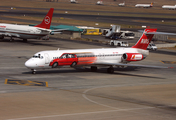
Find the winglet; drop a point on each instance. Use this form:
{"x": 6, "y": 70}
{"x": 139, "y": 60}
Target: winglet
{"x": 47, "y": 20}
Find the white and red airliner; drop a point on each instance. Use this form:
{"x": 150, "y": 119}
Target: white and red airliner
{"x": 111, "y": 57}
{"x": 144, "y": 5}
{"x": 27, "y": 32}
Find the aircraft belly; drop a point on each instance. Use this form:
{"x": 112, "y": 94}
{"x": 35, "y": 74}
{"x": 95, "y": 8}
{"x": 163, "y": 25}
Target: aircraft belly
{"x": 26, "y": 36}
{"x": 21, "y": 35}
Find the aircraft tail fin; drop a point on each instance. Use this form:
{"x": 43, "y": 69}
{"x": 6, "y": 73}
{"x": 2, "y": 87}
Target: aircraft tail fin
{"x": 145, "y": 39}
{"x": 47, "y": 20}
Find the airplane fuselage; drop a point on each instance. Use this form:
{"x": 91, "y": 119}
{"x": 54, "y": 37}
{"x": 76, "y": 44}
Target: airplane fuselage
{"x": 169, "y": 7}
{"x": 143, "y": 5}
{"x": 42, "y": 60}
{"x": 21, "y": 31}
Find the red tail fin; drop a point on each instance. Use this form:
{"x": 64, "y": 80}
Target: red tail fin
{"x": 47, "y": 20}
{"x": 145, "y": 39}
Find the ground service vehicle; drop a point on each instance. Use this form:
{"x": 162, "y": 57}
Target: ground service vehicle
{"x": 115, "y": 29}
{"x": 118, "y": 43}
{"x": 127, "y": 35}
{"x": 94, "y": 31}
{"x": 151, "y": 46}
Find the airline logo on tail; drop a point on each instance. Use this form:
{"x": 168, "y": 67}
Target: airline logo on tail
{"x": 47, "y": 20}
{"x": 145, "y": 41}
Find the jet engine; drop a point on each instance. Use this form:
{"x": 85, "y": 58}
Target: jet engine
{"x": 132, "y": 57}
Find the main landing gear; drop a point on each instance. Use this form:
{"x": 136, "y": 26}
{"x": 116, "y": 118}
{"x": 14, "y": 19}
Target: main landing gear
{"x": 93, "y": 68}
{"x": 109, "y": 70}
{"x": 24, "y": 40}
{"x": 11, "y": 39}
{"x": 2, "y": 37}
{"x": 33, "y": 71}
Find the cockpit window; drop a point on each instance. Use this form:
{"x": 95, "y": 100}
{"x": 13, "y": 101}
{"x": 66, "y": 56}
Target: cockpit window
{"x": 38, "y": 56}
{"x": 35, "y": 56}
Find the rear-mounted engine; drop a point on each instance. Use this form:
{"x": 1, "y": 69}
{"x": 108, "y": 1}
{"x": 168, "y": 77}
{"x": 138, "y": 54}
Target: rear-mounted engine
{"x": 132, "y": 57}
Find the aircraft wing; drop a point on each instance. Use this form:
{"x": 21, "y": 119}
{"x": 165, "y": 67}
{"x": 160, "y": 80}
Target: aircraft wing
{"x": 131, "y": 65}
{"x": 52, "y": 32}
{"x": 161, "y": 33}
{"x": 57, "y": 31}
{"x": 43, "y": 29}
{"x": 10, "y": 34}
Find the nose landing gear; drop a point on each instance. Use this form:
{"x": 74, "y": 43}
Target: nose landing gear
{"x": 33, "y": 71}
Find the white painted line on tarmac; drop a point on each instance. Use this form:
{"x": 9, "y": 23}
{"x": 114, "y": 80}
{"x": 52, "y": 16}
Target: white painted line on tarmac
{"x": 84, "y": 96}
{"x": 84, "y": 113}
{"x": 11, "y": 67}
{"x": 92, "y": 101}
{"x": 98, "y": 112}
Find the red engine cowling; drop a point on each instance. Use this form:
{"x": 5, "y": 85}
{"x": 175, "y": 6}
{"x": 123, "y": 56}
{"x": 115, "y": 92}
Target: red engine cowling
{"x": 132, "y": 57}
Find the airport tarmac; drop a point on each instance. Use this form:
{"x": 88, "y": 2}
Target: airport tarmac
{"x": 130, "y": 93}
{"x": 155, "y": 22}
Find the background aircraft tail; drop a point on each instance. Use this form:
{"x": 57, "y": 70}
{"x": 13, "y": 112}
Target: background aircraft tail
{"x": 145, "y": 39}
{"x": 47, "y": 20}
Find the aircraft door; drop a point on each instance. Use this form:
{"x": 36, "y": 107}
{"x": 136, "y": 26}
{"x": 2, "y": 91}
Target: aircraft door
{"x": 47, "y": 59}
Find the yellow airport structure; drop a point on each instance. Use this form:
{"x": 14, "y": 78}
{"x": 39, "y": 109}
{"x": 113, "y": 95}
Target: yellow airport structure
{"x": 92, "y": 32}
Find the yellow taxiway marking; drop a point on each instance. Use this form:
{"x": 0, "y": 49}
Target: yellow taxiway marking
{"x": 168, "y": 62}
{"x": 26, "y": 82}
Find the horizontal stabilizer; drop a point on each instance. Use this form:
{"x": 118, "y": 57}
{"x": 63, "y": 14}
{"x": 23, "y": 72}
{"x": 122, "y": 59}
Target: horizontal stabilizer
{"x": 157, "y": 33}
{"x": 161, "y": 33}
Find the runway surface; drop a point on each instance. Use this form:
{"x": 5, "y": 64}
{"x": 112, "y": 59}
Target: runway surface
{"x": 125, "y": 20}
{"x": 130, "y": 93}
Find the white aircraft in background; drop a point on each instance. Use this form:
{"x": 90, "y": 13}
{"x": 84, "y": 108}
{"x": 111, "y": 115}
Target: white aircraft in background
{"x": 27, "y": 32}
{"x": 122, "y": 4}
{"x": 99, "y": 3}
{"x": 73, "y": 1}
{"x": 144, "y": 5}
{"x": 111, "y": 57}
{"x": 171, "y": 7}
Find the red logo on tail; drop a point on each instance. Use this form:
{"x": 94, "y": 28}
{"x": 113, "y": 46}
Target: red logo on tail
{"x": 144, "y": 41}
{"x": 47, "y": 20}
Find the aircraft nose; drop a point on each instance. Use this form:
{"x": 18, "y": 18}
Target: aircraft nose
{"x": 29, "y": 64}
